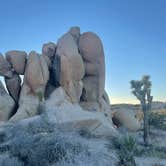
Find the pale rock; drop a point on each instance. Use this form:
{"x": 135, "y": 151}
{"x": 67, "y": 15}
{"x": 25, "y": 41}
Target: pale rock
{"x": 91, "y": 49}
{"x": 7, "y": 104}
{"x": 127, "y": 119}
{"x": 72, "y": 67}
{"x": 28, "y": 104}
{"x": 60, "y": 110}
{"x": 5, "y": 67}
{"x": 17, "y": 59}
{"x": 13, "y": 86}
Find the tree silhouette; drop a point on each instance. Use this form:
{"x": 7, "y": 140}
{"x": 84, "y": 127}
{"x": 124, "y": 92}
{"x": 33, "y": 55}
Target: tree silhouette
{"x": 142, "y": 90}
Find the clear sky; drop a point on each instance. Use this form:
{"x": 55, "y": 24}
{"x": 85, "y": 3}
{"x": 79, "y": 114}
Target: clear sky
{"x": 133, "y": 33}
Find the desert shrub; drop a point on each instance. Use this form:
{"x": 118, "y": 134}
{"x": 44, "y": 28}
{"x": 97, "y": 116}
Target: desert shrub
{"x": 157, "y": 164}
{"x": 150, "y": 151}
{"x": 157, "y": 120}
{"x": 126, "y": 148}
{"x": 6, "y": 160}
{"x": 38, "y": 142}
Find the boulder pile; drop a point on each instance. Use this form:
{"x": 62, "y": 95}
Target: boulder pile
{"x": 67, "y": 79}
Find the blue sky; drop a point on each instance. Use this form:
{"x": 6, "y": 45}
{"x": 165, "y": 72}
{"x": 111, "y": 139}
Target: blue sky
{"x": 133, "y": 33}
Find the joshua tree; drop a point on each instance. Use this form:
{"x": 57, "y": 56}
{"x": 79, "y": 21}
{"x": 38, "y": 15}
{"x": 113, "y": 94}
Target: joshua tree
{"x": 142, "y": 90}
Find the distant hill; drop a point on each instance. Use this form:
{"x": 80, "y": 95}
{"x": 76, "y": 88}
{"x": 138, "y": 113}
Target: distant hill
{"x": 155, "y": 106}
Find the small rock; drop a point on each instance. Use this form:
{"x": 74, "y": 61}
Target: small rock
{"x": 5, "y": 67}
{"x": 49, "y": 49}
{"x": 17, "y": 59}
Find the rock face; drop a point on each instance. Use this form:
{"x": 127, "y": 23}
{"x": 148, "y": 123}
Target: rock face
{"x": 72, "y": 68}
{"x": 13, "y": 85}
{"x": 60, "y": 110}
{"x": 17, "y": 59}
{"x": 6, "y": 104}
{"x": 5, "y": 67}
{"x": 91, "y": 49}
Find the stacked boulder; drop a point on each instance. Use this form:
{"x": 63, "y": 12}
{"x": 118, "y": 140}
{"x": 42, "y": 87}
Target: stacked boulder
{"x": 67, "y": 75}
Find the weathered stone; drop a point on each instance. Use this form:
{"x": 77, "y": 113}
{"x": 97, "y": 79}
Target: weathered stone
{"x": 127, "y": 119}
{"x": 17, "y": 59}
{"x": 6, "y": 104}
{"x": 5, "y": 67}
{"x": 13, "y": 86}
{"x": 72, "y": 67}
{"x": 60, "y": 110}
{"x": 49, "y": 49}
{"x": 36, "y": 74}
{"x": 91, "y": 49}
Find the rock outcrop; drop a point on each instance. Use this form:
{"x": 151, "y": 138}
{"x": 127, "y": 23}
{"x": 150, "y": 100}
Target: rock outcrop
{"x": 65, "y": 83}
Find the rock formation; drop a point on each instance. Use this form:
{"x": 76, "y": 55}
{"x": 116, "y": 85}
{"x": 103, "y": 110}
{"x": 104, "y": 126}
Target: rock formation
{"x": 66, "y": 83}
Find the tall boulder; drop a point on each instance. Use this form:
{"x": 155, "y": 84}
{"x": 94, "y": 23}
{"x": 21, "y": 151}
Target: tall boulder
{"x": 36, "y": 73}
{"x": 13, "y": 86}
{"x": 5, "y": 67}
{"x": 72, "y": 67}
{"x": 7, "y": 104}
{"x": 91, "y": 49}
{"x": 17, "y": 59}
{"x": 48, "y": 52}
